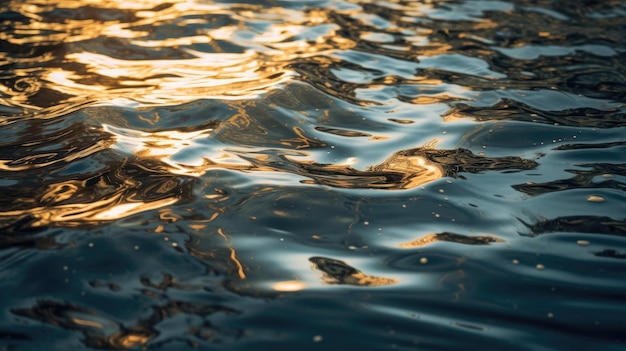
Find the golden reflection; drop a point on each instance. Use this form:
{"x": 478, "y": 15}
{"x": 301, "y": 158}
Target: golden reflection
{"x": 451, "y": 237}
{"x": 134, "y": 71}
{"x": 338, "y": 272}
{"x": 167, "y": 145}
{"x": 129, "y": 340}
{"x": 289, "y": 286}
{"x": 127, "y": 209}
{"x": 101, "y": 210}
{"x": 49, "y": 158}
{"x": 85, "y": 322}
{"x": 216, "y": 51}
{"x": 233, "y": 255}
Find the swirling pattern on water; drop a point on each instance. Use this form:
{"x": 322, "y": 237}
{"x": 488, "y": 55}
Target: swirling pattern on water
{"x": 351, "y": 174}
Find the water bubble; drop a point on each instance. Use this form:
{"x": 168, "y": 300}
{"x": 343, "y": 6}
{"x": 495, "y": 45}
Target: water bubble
{"x": 317, "y": 338}
{"x": 515, "y": 262}
{"x": 583, "y": 243}
{"x": 540, "y": 267}
{"x": 136, "y": 247}
{"x": 423, "y": 260}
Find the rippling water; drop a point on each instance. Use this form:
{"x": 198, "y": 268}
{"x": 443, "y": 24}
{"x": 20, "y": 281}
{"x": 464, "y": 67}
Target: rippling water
{"x": 416, "y": 175}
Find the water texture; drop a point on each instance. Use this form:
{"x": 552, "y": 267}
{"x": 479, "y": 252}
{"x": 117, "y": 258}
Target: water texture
{"x": 315, "y": 175}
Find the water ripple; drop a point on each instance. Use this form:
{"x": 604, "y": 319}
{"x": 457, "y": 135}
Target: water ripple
{"x": 396, "y": 174}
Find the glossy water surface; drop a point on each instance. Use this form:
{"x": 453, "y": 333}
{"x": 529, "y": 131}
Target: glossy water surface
{"x": 331, "y": 175}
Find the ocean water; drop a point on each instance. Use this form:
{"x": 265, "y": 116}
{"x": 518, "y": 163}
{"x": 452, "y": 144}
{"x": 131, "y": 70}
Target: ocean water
{"x": 312, "y": 175}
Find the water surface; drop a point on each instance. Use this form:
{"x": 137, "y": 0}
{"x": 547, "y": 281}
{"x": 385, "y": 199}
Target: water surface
{"x": 414, "y": 175}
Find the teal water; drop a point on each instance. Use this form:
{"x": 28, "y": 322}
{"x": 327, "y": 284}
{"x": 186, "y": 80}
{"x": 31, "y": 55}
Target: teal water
{"x": 374, "y": 175}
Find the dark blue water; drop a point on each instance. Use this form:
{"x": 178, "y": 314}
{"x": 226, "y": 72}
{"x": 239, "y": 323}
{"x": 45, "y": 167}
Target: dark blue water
{"x": 312, "y": 175}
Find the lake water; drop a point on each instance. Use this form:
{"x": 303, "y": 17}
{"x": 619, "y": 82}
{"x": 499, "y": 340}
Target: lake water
{"x": 313, "y": 175}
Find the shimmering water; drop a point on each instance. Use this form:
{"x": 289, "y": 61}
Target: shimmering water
{"x": 314, "y": 175}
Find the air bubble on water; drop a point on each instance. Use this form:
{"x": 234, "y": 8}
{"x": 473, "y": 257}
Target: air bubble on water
{"x": 136, "y": 247}
{"x": 65, "y": 268}
{"x": 583, "y": 243}
{"x": 540, "y": 267}
{"x": 423, "y": 260}
{"x": 317, "y": 338}
{"x": 90, "y": 244}
{"x": 515, "y": 262}
{"x": 366, "y": 223}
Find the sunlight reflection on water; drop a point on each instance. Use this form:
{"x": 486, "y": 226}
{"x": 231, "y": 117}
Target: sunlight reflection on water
{"x": 357, "y": 174}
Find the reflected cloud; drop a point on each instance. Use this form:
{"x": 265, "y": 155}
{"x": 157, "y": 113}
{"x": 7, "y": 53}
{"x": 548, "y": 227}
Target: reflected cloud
{"x": 582, "y": 179}
{"x": 451, "y": 237}
{"x": 576, "y": 224}
{"x": 338, "y": 272}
